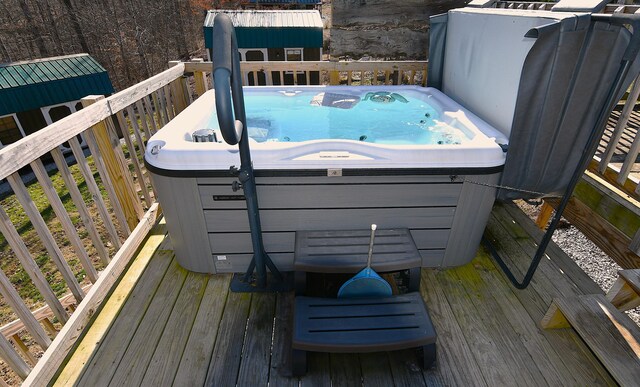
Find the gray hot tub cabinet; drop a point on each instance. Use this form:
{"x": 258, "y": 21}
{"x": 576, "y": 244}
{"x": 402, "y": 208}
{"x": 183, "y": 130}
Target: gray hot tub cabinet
{"x": 208, "y": 225}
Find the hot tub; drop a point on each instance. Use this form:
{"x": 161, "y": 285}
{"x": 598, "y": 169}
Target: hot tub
{"x": 328, "y": 158}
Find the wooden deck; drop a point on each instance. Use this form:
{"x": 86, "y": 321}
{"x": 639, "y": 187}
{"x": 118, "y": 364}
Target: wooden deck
{"x": 164, "y": 326}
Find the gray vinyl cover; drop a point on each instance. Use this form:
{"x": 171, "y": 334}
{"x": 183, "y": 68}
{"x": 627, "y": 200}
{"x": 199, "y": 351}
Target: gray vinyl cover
{"x": 542, "y": 79}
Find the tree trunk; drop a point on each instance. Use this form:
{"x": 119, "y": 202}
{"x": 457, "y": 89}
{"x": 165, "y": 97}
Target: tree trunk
{"x": 49, "y": 22}
{"x": 36, "y": 28}
{"x": 75, "y": 24}
{"x": 140, "y": 46}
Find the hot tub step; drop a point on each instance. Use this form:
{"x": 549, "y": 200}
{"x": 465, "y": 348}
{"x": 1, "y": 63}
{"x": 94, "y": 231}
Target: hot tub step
{"x": 346, "y": 252}
{"x": 361, "y": 325}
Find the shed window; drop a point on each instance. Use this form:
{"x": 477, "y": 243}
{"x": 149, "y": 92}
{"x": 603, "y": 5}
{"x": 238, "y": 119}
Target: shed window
{"x": 9, "y": 130}
{"x": 294, "y": 55}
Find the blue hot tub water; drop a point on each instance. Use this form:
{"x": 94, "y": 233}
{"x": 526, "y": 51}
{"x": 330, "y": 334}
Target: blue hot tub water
{"x": 290, "y": 116}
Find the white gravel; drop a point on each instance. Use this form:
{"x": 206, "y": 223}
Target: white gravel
{"x": 598, "y": 265}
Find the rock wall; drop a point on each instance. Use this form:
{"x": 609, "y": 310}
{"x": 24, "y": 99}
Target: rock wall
{"x": 394, "y": 29}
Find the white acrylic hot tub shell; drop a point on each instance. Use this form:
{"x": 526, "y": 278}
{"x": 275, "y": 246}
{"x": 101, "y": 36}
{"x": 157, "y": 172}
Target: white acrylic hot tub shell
{"x": 172, "y": 148}
{"x": 442, "y": 193}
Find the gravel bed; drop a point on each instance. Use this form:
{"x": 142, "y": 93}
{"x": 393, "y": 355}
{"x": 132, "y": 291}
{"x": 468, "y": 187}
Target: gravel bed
{"x": 598, "y": 265}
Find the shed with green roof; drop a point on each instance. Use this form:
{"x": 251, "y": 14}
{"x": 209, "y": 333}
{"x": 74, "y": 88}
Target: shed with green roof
{"x": 36, "y": 93}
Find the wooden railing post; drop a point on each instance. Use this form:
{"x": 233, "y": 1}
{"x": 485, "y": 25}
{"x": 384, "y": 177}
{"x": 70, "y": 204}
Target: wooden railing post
{"x": 116, "y": 165}
{"x": 200, "y": 80}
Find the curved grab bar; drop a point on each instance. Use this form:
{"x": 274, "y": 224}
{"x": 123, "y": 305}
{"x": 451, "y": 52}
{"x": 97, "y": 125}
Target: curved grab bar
{"x": 229, "y": 101}
{"x": 228, "y": 81}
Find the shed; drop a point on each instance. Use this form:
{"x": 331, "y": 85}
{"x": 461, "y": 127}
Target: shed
{"x": 273, "y": 35}
{"x": 36, "y": 93}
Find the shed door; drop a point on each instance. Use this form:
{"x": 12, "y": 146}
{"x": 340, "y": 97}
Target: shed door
{"x": 255, "y": 56}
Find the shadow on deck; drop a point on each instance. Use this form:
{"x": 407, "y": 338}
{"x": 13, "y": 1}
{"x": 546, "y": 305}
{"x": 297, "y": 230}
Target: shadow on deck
{"x": 181, "y": 328}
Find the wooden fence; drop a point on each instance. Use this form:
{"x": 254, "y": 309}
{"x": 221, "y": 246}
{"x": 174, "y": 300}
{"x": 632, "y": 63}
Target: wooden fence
{"x": 123, "y": 201}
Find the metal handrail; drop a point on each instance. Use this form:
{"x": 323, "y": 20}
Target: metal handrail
{"x": 232, "y": 119}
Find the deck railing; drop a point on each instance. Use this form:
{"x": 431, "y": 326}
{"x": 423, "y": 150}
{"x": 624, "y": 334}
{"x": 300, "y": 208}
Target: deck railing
{"x": 110, "y": 225}
{"x": 121, "y": 193}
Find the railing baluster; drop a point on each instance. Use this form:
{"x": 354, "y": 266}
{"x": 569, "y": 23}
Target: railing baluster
{"x": 94, "y": 190}
{"x": 143, "y": 118}
{"x": 136, "y": 128}
{"x": 620, "y": 126}
{"x": 424, "y": 76}
{"x": 186, "y": 92}
{"x": 168, "y": 105}
{"x": 24, "y": 350}
{"x": 268, "y": 78}
{"x": 159, "y": 101}
{"x": 28, "y": 264}
{"x": 133, "y": 154}
{"x": 147, "y": 103}
{"x": 159, "y": 108}
{"x": 12, "y": 298}
{"x": 386, "y": 77}
{"x": 178, "y": 99}
{"x": 9, "y": 354}
{"x": 307, "y": 77}
{"x": 63, "y": 217}
{"x": 349, "y": 78}
{"x": 282, "y": 78}
{"x": 629, "y": 161}
{"x": 19, "y": 189}
{"x": 48, "y": 326}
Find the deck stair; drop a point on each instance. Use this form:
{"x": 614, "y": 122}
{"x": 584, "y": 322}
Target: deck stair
{"x": 612, "y": 336}
{"x": 365, "y": 324}
{"x": 625, "y": 292}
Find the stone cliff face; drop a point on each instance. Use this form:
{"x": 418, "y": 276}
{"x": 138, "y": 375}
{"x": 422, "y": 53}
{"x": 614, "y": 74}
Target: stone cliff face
{"x": 396, "y": 29}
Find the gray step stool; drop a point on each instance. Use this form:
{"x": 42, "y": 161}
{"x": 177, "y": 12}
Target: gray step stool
{"x": 364, "y": 324}
{"x": 346, "y": 252}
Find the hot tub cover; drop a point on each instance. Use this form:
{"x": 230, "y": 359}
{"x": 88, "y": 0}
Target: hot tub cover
{"x": 566, "y": 64}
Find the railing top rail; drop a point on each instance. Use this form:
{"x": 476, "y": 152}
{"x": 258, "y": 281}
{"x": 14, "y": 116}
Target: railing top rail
{"x": 317, "y": 66}
{"x": 21, "y": 153}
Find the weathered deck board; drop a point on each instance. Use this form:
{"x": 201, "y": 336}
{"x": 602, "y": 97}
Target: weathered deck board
{"x": 204, "y": 333}
{"x": 166, "y": 358}
{"x": 189, "y": 329}
{"x": 110, "y": 352}
{"x": 256, "y": 350}
{"x": 280, "y": 373}
{"x": 452, "y": 346}
{"x": 225, "y": 361}
{"x": 134, "y": 363}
